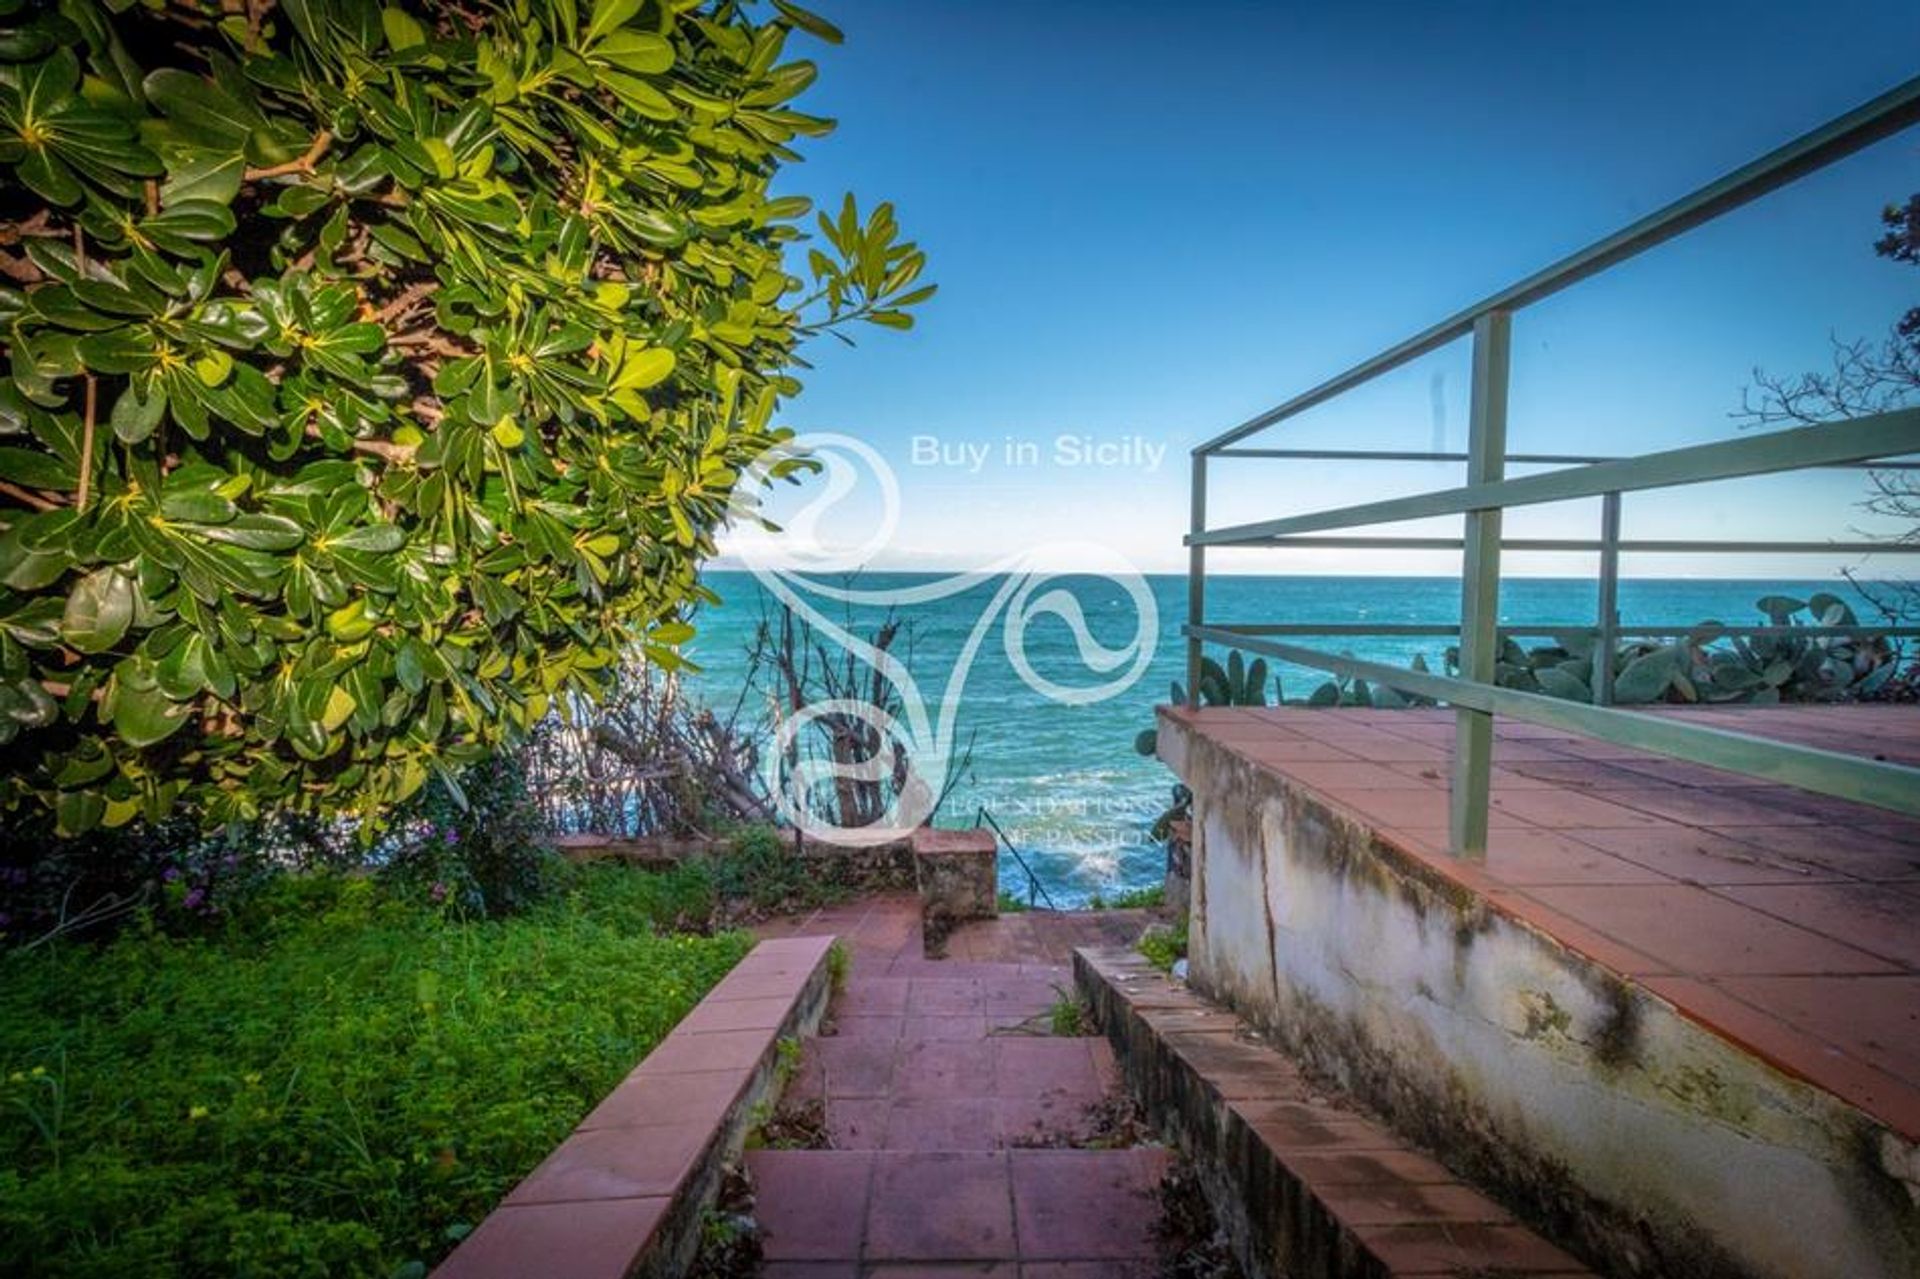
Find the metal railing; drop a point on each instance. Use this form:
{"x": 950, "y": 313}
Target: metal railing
{"x": 1036, "y": 891}
{"x": 1864, "y": 443}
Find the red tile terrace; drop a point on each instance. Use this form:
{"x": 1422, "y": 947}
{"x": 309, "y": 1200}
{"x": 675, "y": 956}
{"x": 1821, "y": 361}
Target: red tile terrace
{"x": 1786, "y": 922}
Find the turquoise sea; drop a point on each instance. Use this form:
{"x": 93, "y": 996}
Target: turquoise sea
{"x": 1063, "y": 779}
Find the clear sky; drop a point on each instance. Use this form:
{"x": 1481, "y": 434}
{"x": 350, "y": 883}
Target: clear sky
{"x": 1150, "y": 221}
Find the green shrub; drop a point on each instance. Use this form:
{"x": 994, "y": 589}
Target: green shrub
{"x": 332, "y": 1094}
{"x": 1162, "y": 945}
{"x": 484, "y": 852}
{"x": 379, "y": 374}
{"x": 763, "y": 871}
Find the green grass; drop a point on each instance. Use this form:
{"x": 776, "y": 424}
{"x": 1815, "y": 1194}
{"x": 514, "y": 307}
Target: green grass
{"x": 339, "y": 1087}
{"x": 1149, "y": 898}
{"x": 1162, "y": 945}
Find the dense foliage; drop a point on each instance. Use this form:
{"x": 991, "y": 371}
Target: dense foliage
{"x": 336, "y": 1085}
{"x": 378, "y": 375}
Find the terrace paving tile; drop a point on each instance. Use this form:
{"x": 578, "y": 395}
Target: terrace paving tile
{"x": 1699, "y": 932}
{"x": 1698, "y": 856}
{"x": 1876, "y": 918}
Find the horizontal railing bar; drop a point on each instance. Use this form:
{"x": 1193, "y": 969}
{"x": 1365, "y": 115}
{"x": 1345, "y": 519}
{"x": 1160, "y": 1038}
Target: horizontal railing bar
{"x": 1895, "y": 787}
{"x": 1642, "y": 547}
{"x": 1390, "y": 629}
{"x": 1530, "y": 459}
{"x": 1405, "y": 455}
{"x": 1885, "y": 115}
{"x": 1877, "y": 435}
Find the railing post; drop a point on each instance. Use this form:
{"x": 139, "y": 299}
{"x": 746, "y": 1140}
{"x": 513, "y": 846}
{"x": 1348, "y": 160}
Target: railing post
{"x": 1606, "y": 631}
{"x": 1196, "y": 578}
{"x": 1480, "y": 584}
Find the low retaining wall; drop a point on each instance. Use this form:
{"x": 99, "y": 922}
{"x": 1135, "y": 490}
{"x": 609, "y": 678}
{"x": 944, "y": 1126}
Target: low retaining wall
{"x": 875, "y": 868}
{"x": 1652, "y": 1144}
{"x": 624, "y": 1195}
{"x": 1306, "y": 1187}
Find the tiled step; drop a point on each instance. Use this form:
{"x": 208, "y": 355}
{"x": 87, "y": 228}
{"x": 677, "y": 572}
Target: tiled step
{"x": 946, "y": 1125}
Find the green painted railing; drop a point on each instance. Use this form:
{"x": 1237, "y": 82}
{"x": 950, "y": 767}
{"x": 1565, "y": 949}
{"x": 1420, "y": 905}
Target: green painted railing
{"x": 1879, "y": 441}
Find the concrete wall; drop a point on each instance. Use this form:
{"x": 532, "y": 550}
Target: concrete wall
{"x": 1645, "y": 1141}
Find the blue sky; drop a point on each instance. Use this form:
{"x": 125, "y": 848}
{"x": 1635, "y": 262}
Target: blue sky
{"x": 1150, "y": 221}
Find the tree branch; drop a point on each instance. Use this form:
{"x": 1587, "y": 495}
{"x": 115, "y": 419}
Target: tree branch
{"x": 321, "y": 141}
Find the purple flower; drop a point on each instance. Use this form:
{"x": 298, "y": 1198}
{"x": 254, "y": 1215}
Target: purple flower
{"x": 449, "y": 836}
{"x": 170, "y": 874}
{"x": 194, "y": 898}
{"x": 438, "y": 892}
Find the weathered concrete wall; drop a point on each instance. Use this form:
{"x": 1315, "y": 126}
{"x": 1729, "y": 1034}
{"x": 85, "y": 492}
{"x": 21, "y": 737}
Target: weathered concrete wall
{"x": 1640, "y": 1138}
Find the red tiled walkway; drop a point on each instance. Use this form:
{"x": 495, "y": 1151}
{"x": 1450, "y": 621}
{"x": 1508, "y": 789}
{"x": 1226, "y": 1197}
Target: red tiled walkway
{"x": 1784, "y": 920}
{"x": 949, "y": 1127}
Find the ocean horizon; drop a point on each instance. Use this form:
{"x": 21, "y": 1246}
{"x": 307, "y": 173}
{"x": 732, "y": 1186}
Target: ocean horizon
{"x": 1063, "y": 780}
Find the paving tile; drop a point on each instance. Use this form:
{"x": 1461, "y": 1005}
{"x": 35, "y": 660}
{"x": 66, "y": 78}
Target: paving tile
{"x": 599, "y": 1240}
{"x": 1052, "y": 1120}
{"x": 1271, "y": 753}
{"x": 719, "y": 1050}
{"x": 1290, "y": 1127}
{"x": 861, "y": 1026}
{"x": 1704, "y": 934}
{"x": 949, "y": 1270}
{"x": 1409, "y": 807}
{"x": 1860, "y": 850}
{"x": 1237, "y": 1069}
{"x": 1867, "y": 916}
{"x": 872, "y": 995}
{"x": 944, "y": 1123}
{"x": 1111, "y": 1268}
{"x": 1087, "y": 1204}
{"x": 809, "y": 1270}
{"x": 854, "y": 1067}
{"x": 645, "y": 1099}
{"x": 1336, "y": 778}
{"x": 1033, "y": 1066}
{"x": 1529, "y": 855}
{"x": 1713, "y": 808}
{"x": 944, "y": 995}
{"x": 944, "y": 1068}
{"x": 939, "y": 1206}
{"x": 1561, "y": 809}
{"x": 1464, "y": 1248}
{"x": 1393, "y": 1201}
{"x": 857, "y": 1123}
{"x": 1700, "y": 856}
{"x": 944, "y": 1026}
{"x": 1351, "y": 1167}
{"x": 810, "y": 1203}
{"x": 615, "y": 1163}
{"x": 736, "y": 1014}
{"x": 1876, "y": 1019}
